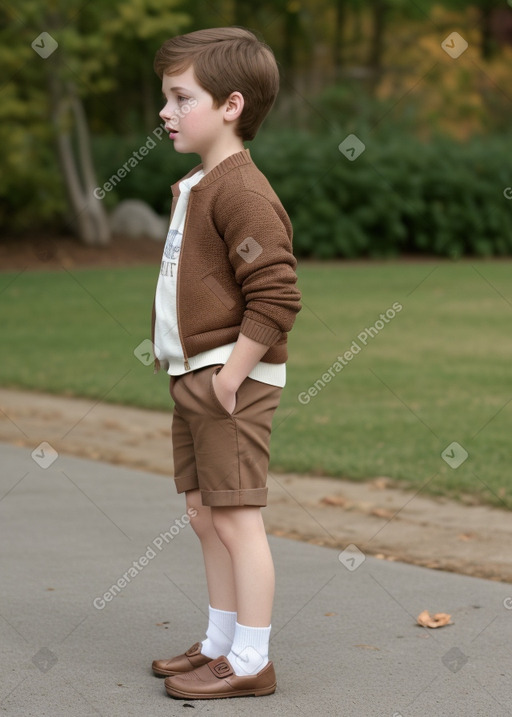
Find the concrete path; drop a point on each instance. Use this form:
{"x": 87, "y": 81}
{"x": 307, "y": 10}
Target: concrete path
{"x": 77, "y": 638}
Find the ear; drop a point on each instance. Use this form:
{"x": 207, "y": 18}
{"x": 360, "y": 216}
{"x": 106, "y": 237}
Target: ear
{"x": 233, "y": 106}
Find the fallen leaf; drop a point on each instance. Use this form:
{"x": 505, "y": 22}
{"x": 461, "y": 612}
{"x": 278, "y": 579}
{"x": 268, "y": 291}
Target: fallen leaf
{"x": 334, "y": 500}
{"x": 466, "y": 536}
{"x": 382, "y": 513}
{"x": 380, "y": 483}
{"x": 330, "y": 614}
{"x": 381, "y": 556}
{"x": 109, "y": 423}
{"x": 425, "y": 619}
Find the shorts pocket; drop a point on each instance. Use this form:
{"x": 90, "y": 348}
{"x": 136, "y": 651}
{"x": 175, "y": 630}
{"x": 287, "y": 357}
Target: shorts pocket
{"x": 213, "y": 395}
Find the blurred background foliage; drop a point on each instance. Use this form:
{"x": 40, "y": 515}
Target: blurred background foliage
{"x": 436, "y": 129}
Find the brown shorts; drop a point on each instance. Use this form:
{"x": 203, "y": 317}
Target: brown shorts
{"x": 224, "y": 455}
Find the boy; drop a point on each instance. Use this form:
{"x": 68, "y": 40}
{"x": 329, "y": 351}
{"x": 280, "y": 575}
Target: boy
{"x": 224, "y": 302}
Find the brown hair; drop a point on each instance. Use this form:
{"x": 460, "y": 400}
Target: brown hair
{"x": 226, "y": 60}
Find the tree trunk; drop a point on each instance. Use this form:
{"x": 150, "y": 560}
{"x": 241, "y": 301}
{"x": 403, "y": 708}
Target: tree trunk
{"x": 487, "y": 44}
{"x": 339, "y": 26}
{"x": 149, "y": 110}
{"x": 379, "y": 15}
{"x": 88, "y": 213}
{"x": 291, "y": 30}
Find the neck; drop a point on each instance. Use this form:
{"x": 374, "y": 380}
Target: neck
{"x": 220, "y": 152}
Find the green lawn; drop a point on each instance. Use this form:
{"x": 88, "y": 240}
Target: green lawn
{"x": 438, "y": 372}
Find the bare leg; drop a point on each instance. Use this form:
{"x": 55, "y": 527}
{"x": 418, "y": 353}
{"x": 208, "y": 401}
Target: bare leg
{"x": 242, "y": 532}
{"x": 217, "y": 560}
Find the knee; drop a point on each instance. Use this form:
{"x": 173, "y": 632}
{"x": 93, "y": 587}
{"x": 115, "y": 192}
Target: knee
{"x": 238, "y": 526}
{"x": 200, "y": 515}
{"x": 225, "y": 523}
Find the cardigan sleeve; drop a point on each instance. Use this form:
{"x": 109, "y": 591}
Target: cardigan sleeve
{"x": 258, "y": 236}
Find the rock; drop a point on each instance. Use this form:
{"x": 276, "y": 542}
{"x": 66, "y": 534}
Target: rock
{"x": 134, "y": 218}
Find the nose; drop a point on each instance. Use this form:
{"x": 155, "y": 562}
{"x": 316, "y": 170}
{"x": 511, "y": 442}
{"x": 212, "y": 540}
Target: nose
{"x": 168, "y": 113}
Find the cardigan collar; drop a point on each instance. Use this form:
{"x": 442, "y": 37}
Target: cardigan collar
{"x": 234, "y": 160}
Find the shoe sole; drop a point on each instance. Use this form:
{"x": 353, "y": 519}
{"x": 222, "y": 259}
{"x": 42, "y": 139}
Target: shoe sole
{"x": 239, "y": 693}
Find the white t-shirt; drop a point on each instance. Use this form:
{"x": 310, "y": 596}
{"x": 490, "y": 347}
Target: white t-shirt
{"x": 168, "y": 348}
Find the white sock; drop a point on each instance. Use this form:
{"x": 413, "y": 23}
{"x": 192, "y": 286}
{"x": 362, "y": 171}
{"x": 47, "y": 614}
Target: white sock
{"x": 249, "y": 651}
{"x": 220, "y": 633}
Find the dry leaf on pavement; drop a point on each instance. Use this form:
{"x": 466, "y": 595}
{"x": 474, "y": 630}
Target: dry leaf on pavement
{"x": 334, "y": 500}
{"x": 381, "y": 483}
{"x": 438, "y": 620}
{"x": 382, "y": 513}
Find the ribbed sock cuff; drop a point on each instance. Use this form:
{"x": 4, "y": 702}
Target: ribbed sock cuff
{"x": 220, "y": 632}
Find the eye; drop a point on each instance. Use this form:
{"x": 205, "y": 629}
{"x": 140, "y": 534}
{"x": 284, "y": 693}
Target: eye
{"x": 182, "y": 99}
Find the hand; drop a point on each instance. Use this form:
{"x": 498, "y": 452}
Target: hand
{"x": 225, "y": 395}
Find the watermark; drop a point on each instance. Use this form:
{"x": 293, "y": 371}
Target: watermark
{"x": 44, "y": 455}
{"x": 183, "y": 110}
{"x": 44, "y": 45}
{"x": 249, "y": 249}
{"x": 454, "y": 455}
{"x": 352, "y": 147}
{"x": 454, "y": 45}
{"x": 507, "y": 603}
{"x": 138, "y": 566}
{"x": 143, "y": 151}
{"x": 146, "y": 352}
{"x": 351, "y": 558}
{"x": 357, "y": 345}
{"x": 249, "y": 660}
{"x": 45, "y": 250}
{"x": 45, "y": 659}
{"x": 507, "y": 192}
{"x": 137, "y": 156}
{"x": 454, "y": 659}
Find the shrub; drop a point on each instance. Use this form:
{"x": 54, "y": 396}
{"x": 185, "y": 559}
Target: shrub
{"x": 400, "y": 195}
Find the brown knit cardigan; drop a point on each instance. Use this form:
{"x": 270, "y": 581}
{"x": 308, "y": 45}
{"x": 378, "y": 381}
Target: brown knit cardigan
{"x": 236, "y": 270}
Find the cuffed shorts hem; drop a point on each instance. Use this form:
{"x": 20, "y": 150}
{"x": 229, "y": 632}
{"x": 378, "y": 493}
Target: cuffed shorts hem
{"x": 220, "y": 498}
{"x": 186, "y": 483}
{"x": 249, "y": 496}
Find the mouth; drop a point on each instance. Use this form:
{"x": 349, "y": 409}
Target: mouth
{"x": 172, "y": 132}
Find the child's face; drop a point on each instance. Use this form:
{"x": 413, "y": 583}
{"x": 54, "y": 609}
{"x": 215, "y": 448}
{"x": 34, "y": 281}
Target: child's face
{"x": 193, "y": 123}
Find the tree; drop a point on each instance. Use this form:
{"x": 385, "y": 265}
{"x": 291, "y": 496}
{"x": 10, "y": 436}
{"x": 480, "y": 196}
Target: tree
{"x": 57, "y": 54}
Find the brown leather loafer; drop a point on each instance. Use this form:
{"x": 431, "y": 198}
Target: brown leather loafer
{"x": 217, "y": 679}
{"x": 191, "y": 659}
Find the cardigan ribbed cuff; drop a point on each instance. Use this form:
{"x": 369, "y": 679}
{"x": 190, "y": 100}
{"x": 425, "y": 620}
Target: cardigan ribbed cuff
{"x": 265, "y": 335}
